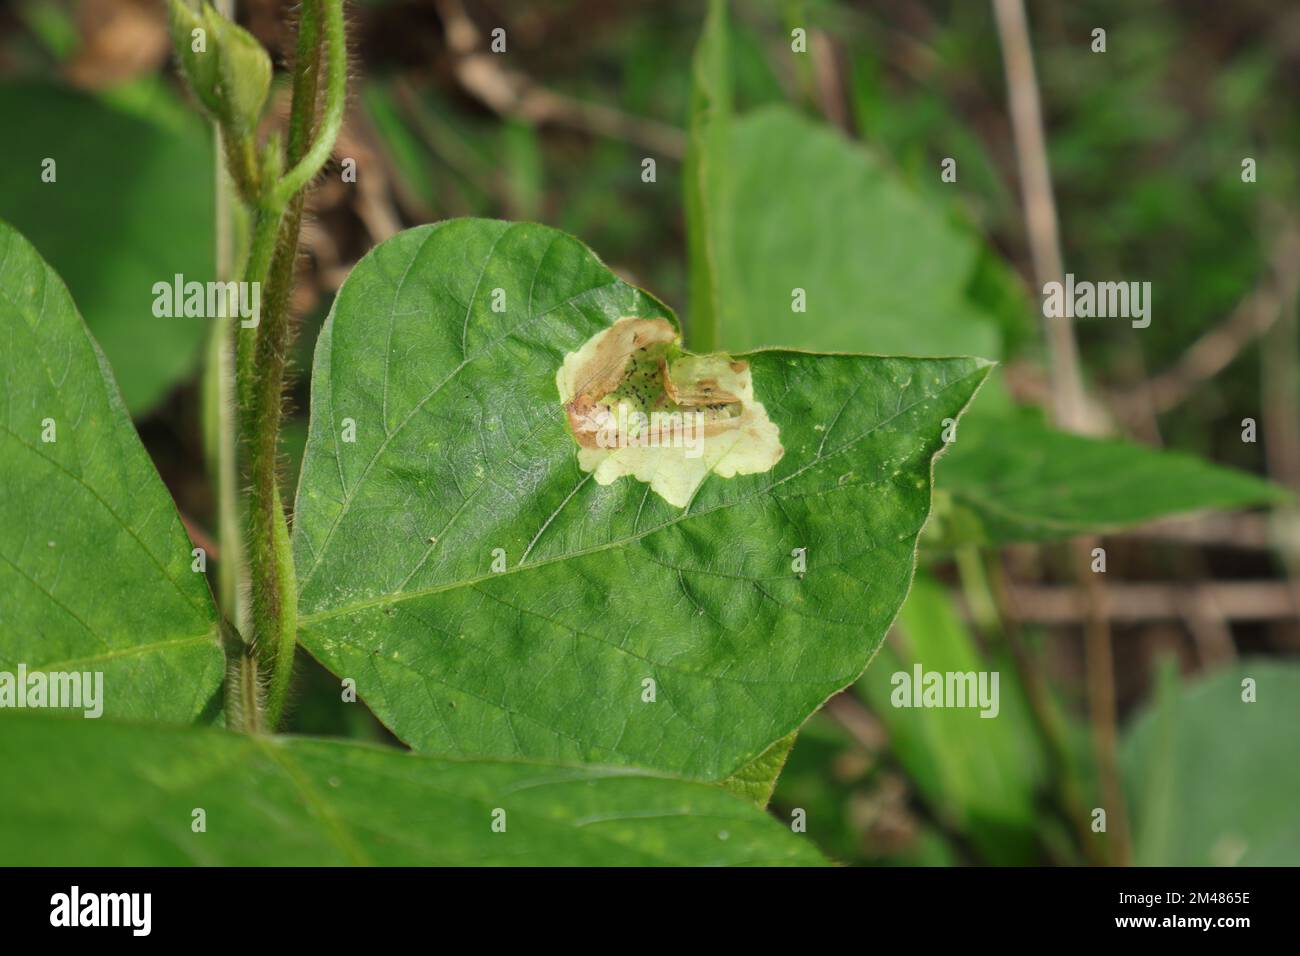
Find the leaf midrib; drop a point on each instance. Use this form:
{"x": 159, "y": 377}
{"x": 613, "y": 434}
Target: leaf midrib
{"x": 211, "y": 636}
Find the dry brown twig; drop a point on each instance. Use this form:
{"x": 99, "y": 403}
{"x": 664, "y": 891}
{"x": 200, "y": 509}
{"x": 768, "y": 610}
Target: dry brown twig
{"x": 1069, "y": 401}
{"x": 512, "y": 93}
{"x": 1070, "y": 405}
{"x": 862, "y": 725}
{"x": 1218, "y": 348}
{"x": 829, "y": 83}
{"x": 1243, "y": 531}
{"x": 1134, "y": 603}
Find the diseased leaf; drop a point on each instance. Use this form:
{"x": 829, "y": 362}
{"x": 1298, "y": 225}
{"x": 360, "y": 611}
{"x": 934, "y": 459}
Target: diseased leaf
{"x": 130, "y": 205}
{"x": 304, "y": 802}
{"x": 637, "y": 368}
{"x": 491, "y": 599}
{"x": 1014, "y": 479}
{"x": 94, "y": 563}
{"x": 1212, "y": 779}
{"x": 757, "y": 779}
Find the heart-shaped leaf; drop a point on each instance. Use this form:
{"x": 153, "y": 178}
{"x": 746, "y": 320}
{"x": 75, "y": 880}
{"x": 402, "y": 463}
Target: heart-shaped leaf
{"x": 171, "y": 797}
{"x": 491, "y": 599}
{"x": 95, "y": 567}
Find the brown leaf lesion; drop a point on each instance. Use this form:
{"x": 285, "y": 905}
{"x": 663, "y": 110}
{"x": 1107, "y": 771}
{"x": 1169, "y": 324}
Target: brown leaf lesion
{"x": 704, "y": 392}
{"x": 639, "y": 360}
{"x": 639, "y": 404}
{"x": 606, "y": 368}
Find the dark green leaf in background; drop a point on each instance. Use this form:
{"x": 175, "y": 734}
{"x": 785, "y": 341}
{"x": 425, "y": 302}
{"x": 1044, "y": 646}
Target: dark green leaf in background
{"x": 1213, "y": 779}
{"x": 886, "y": 272}
{"x": 1019, "y": 480}
{"x": 883, "y": 271}
{"x": 131, "y": 205}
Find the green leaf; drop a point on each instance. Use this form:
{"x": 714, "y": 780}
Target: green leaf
{"x": 131, "y": 205}
{"x": 94, "y": 562}
{"x": 708, "y": 182}
{"x": 462, "y": 447}
{"x": 117, "y": 795}
{"x": 756, "y": 780}
{"x": 1016, "y": 479}
{"x": 1212, "y": 780}
{"x": 882, "y": 270}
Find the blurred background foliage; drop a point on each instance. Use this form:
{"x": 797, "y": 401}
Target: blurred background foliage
{"x": 825, "y": 176}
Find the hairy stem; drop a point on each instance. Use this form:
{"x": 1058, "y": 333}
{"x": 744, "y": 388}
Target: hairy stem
{"x": 309, "y": 164}
{"x": 241, "y": 162}
{"x": 266, "y": 223}
{"x": 243, "y": 693}
{"x": 263, "y": 350}
{"x": 273, "y": 342}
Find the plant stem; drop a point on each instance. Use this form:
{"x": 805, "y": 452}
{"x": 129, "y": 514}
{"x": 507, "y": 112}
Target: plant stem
{"x": 302, "y": 113}
{"x": 241, "y": 161}
{"x": 231, "y": 567}
{"x": 273, "y": 342}
{"x": 302, "y": 116}
{"x": 220, "y": 444}
{"x": 266, "y": 224}
{"x": 309, "y": 164}
{"x": 707, "y": 181}
{"x": 263, "y": 350}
